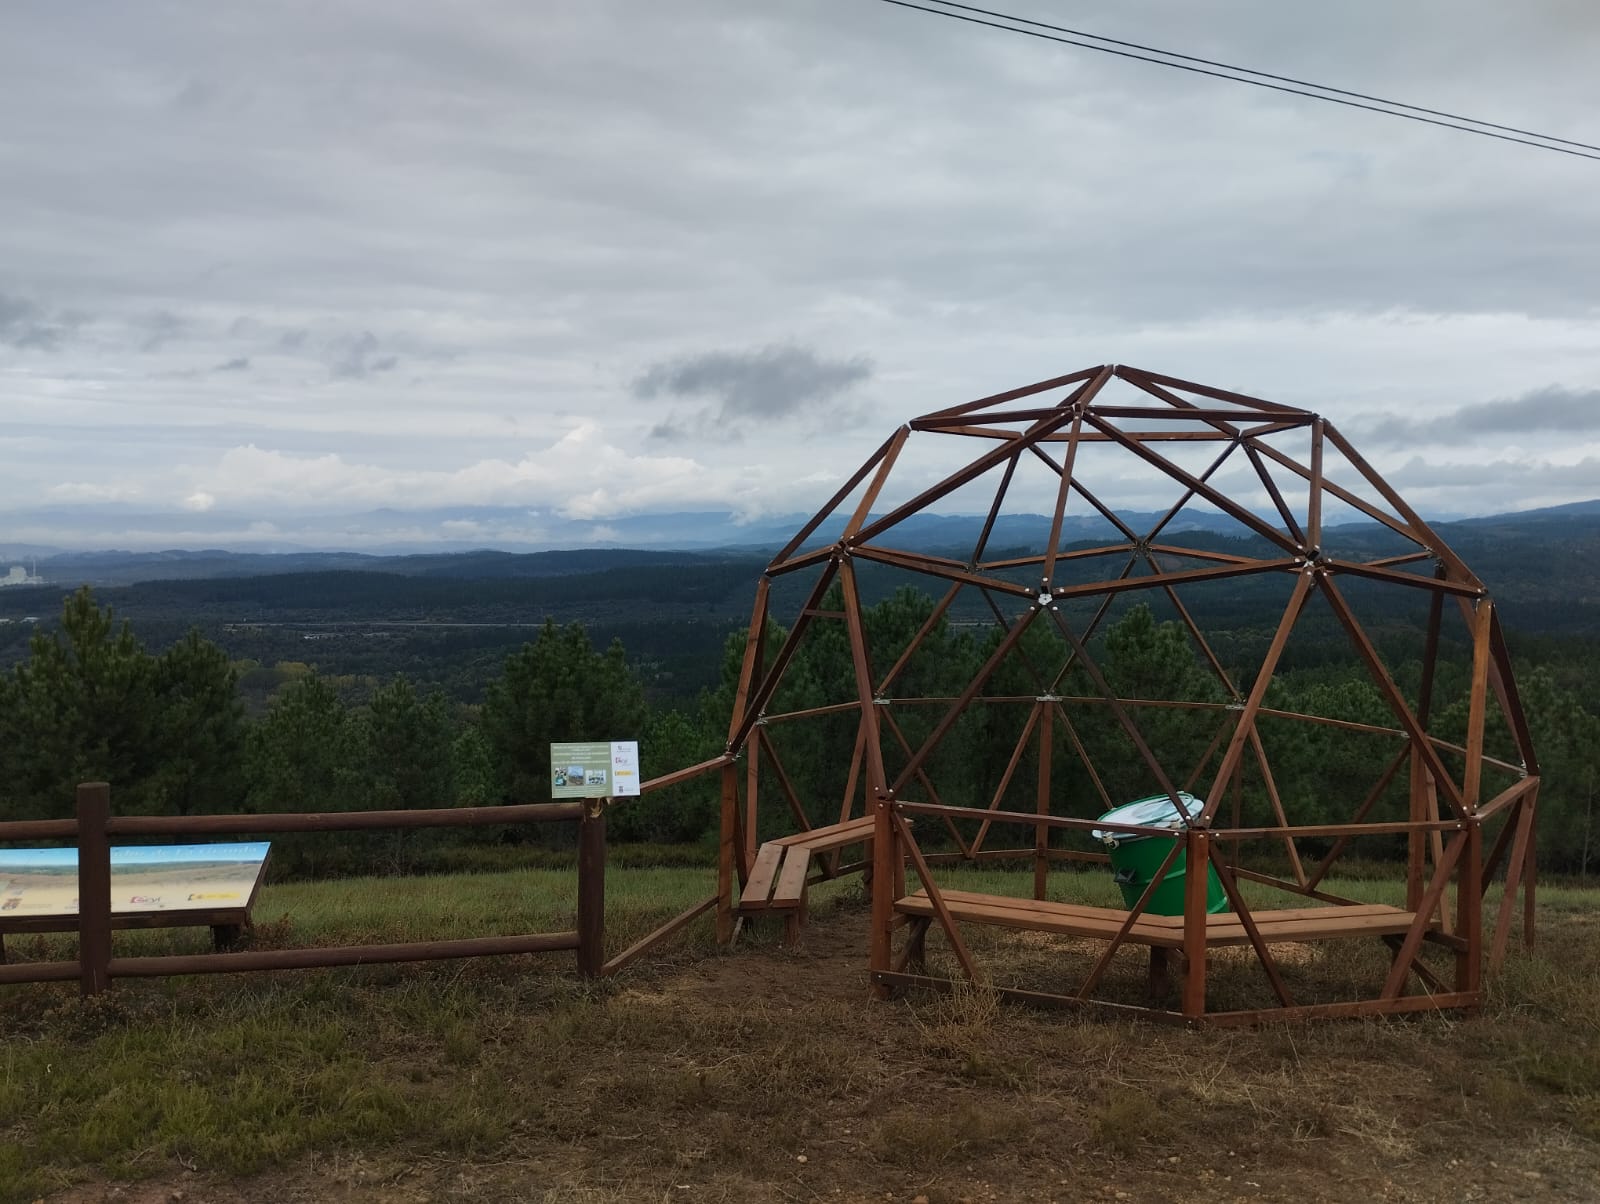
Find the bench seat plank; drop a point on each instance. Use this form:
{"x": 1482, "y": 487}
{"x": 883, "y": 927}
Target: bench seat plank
{"x": 1071, "y": 919}
{"x": 792, "y": 877}
{"x": 834, "y": 836}
{"x": 762, "y": 874}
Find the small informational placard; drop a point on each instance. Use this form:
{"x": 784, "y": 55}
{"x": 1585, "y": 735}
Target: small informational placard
{"x": 624, "y": 768}
{"x": 594, "y": 769}
{"x": 146, "y": 878}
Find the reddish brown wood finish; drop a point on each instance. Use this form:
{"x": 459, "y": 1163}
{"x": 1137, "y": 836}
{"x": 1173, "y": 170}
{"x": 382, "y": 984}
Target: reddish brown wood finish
{"x": 94, "y": 887}
{"x": 1161, "y": 426}
{"x": 97, "y": 969}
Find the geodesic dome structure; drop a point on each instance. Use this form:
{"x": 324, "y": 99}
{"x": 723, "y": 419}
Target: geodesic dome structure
{"x": 1003, "y": 703}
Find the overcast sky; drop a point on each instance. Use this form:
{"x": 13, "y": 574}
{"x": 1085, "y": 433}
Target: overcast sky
{"x": 264, "y": 264}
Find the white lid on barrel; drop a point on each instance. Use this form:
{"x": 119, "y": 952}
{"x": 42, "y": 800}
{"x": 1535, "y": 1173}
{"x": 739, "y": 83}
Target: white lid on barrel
{"x": 1157, "y": 811}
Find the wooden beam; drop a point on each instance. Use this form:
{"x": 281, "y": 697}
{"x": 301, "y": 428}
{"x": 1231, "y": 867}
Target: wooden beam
{"x": 1258, "y": 692}
{"x": 935, "y": 897}
{"x": 1477, "y": 700}
{"x": 1522, "y": 821}
{"x": 844, "y": 491}
{"x": 994, "y": 399}
{"x": 1236, "y": 898}
{"x": 1391, "y": 693}
{"x": 1041, "y": 833}
{"x": 1412, "y": 944}
{"x": 1005, "y": 778}
{"x": 1197, "y": 846}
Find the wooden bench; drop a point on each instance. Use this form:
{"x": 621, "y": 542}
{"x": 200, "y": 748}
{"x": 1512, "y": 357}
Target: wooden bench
{"x": 779, "y": 877}
{"x": 1162, "y": 935}
{"x": 1163, "y": 932}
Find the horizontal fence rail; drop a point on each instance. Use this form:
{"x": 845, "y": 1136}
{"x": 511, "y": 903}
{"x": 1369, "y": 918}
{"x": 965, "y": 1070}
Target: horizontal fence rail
{"x": 1033, "y": 820}
{"x": 96, "y": 968}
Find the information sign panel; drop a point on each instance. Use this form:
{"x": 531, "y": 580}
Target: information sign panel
{"x": 144, "y": 878}
{"x": 594, "y": 769}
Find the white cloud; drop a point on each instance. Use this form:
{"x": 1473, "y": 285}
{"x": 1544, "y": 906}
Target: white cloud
{"x": 579, "y": 475}
{"x": 91, "y": 491}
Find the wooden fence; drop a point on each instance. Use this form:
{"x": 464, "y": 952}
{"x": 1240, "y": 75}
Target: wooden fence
{"x": 96, "y": 968}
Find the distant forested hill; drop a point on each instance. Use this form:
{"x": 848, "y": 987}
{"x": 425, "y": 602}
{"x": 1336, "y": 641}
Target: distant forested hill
{"x": 450, "y": 619}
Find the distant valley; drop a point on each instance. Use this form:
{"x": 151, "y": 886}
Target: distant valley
{"x": 449, "y": 618}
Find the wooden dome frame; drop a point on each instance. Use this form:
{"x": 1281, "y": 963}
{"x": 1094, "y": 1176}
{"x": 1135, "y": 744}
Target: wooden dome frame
{"x": 1458, "y": 834}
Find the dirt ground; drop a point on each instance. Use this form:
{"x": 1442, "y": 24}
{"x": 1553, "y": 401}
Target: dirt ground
{"x": 1381, "y": 1119}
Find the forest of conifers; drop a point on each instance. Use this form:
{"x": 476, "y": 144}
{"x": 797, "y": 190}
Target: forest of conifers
{"x": 194, "y": 723}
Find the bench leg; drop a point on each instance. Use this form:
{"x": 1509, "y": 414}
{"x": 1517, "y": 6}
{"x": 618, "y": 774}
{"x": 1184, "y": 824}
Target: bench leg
{"x": 791, "y": 927}
{"x": 914, "y": 957}
{"x": 225, "y": 937}
{"x": 1160, "y": 974}
{"x": 1178, "y": 969}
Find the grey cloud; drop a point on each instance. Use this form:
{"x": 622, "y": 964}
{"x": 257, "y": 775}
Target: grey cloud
{"x": 1508, "y": 478}
{"x": 162, "y": 327}
{"x": 237, "y": 364}
{"x": 777, "y": 382}
{"x": 1550, "y": 410}
{"x": 26, "y": 326}
{"x": 973, "y": 207}
{"x": 356, "y": 356}
{"x": 668, "y": 431}
{"x": 196, "y": 94}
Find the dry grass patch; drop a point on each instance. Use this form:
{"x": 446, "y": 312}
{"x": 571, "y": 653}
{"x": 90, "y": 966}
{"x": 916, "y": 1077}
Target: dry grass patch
{"x": 509, "y": 1080}
{"x": 956, "y": 1132}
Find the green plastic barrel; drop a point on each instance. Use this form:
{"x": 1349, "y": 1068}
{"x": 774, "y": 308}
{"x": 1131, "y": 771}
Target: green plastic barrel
{"x": 1135, "y": 858}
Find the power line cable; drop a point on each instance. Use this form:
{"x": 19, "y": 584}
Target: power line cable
{"x": 1287, "y": 79}
{"x": 1410, "y": 112}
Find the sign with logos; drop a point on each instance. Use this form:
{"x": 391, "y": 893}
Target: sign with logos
{"x": 594, "y": 769}
{"x": 144, "y": 878}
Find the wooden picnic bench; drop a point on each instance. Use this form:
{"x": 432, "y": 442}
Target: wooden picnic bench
{"x": 780, "y": 874}
{"x": 1162, "y": 934}
{"x": 1166, "y": 932}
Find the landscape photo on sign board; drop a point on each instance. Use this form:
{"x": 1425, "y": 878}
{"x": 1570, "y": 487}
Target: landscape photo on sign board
{"x": 44, "y": 882}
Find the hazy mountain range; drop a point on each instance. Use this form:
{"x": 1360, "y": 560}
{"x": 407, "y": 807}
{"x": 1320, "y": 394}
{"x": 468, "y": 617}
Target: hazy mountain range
{"x": 680, "y": 538}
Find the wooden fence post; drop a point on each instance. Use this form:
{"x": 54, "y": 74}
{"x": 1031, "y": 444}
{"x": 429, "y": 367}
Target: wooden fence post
{"x": 94, "y": 887}
{"x": 727, "y": 853}
{"x": 1196, "y": 861}
{"x": 1469, "y": 907}
{"x": 888, "y": 861}
{"x": 592, "y": 889}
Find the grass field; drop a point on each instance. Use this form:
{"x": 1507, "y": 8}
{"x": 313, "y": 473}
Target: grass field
{"x": 763, "y": 1073}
